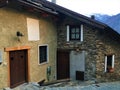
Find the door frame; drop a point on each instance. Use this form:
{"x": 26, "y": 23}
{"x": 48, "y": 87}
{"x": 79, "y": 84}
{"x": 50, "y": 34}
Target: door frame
{"x": 8, "y": 49}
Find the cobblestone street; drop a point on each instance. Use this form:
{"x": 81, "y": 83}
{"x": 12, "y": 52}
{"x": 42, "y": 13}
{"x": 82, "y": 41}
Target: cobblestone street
{"x": 70, "y": 86}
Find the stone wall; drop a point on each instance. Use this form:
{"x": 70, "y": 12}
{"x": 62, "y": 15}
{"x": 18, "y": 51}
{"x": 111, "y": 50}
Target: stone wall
{"x": 107, "y": 46}
{"x": 12, "y": 21}
{"x": 97, "y": 45}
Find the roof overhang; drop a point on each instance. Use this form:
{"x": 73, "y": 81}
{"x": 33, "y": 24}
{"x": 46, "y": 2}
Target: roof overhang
{"x": 43, "y": 6}
{"x": 3, "y": 3}
{"x": 36, "y": 6}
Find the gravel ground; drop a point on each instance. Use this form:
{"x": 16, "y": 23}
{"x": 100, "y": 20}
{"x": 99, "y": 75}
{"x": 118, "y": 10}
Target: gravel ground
{"x": 89, "y": 85}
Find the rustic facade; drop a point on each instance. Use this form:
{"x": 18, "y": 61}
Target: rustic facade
{"x": 96, "y": 44}
{"x": 11, "y": 21}
{"x": 51, "y": 42}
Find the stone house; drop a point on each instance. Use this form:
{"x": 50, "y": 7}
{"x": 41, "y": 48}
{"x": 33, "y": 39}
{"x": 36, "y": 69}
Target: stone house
{"x": 42, "y": 40}
{"x": 86, "y": 48}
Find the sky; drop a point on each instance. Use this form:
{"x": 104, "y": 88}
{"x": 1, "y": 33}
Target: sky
{"x": 89, "y": 7}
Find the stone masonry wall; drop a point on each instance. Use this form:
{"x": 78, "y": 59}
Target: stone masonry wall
{"x": 107, "y": 46}
{"x": 97, "y": 45}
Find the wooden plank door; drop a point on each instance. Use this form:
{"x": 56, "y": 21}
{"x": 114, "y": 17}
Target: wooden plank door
{"x": 63, "y": 70}
{"x": 18, "y": 67}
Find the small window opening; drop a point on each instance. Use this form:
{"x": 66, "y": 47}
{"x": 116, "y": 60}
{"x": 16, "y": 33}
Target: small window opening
{"x": 109, "y": 63}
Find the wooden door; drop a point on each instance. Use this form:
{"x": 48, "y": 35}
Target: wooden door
{"x": 18, "y": 67}
{"x": 63, "y": 65}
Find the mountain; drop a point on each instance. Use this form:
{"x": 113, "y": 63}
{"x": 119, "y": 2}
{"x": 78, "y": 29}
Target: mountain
{"x": 102, "y": 17}
{"x": 112, "y": 21}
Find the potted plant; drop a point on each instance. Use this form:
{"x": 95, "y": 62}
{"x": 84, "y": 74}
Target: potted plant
{"x": 110, "y": 69}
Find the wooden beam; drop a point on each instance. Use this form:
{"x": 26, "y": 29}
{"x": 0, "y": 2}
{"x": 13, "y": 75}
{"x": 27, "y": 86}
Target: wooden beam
{"x": 17, "y": 48}
{"x": 3, "y": 3}
{"x": 54, "y": 82}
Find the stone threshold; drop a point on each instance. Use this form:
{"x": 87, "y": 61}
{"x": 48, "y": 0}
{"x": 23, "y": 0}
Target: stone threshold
{"x": 42, "y": 83}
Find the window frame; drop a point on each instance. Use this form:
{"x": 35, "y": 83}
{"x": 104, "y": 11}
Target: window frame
{"x": 47, "y": 56}
{"x": 69, "y": 32}
{"x": 112, "y": 63}
{"x": 75, "y": 33}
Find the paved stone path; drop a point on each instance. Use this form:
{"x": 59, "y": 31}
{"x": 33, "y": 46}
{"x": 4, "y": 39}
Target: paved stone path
{"x": 70, "y": 86}
{"x": 103, "y": 86}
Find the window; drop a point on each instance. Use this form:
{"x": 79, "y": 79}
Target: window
{"x": 43, "y": 54}
{"x": 109, "y": 63}
{"x": 75, "y": 33}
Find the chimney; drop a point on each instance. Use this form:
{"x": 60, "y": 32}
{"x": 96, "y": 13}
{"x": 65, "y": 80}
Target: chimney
{"x": 92, "y": 16}
{"x": 54, "y": 1}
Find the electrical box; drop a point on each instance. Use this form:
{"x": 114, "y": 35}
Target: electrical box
{"x": 1, "y": 60}
{"x": 49, "y": 70}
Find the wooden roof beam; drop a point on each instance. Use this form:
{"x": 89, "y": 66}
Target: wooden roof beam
{"x": 3, "y": 3}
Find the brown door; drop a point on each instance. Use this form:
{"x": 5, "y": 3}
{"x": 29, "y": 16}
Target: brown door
{"x": 18, "y": 67}
{"x": 63, "y": 65}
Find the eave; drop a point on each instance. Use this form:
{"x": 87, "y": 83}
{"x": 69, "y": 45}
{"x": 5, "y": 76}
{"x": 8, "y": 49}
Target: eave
{"x": 51, "y": 9}
{"x": 44, "y": 6}
{"x": 3, "y": 3}
{"x": 72, "y": 14}
{"x": 36, "y": 6}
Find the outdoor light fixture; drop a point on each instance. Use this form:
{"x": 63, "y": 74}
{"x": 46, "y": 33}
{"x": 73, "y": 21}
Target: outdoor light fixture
{"x": 19, "y": 35}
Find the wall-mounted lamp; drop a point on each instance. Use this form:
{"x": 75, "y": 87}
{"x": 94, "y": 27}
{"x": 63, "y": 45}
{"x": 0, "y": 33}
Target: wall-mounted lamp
{"x": 19, "y": 35}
